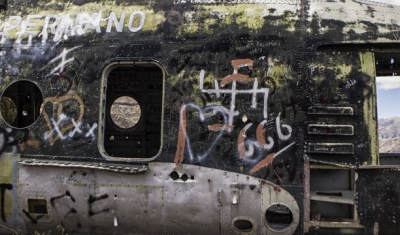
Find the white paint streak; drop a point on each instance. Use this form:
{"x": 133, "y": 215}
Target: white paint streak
{"x": 142, "y": 18}
{"x": 284, "y": 149}
{"x": 217, "y": 92}
{"x": 56, "y": 129}
{"x": 12, "y": 23}
{"x": 202, "y": 73}
{"x": 269, "y": 142}
{"x": 26, "y": 31}
{"x": 64, "y": 26}
{"x": 279, "y": 130}
{"x": 201, "y": 112}
{"x": 233, "y": 103}
{"x": 44, "y": 34}
{"x": 229, "y": 115}
{"x": 119, "y": 24}
{"x": 254, "y": 96}
{"x": 62, "y": 122}
{"x": 234, "y": 92}
{"x": 85, "y": 22}
{"x": 249, "y": 152}
{"x": 64, "y": 61}
{"x": 76, "y": 128}
{"x": 91, "y": 131}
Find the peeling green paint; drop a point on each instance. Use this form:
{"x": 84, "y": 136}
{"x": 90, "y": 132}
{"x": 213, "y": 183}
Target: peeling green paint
{"x": 370, "y": 117}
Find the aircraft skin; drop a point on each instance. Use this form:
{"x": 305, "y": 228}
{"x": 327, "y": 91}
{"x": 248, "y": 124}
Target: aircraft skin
{"x": 249, "y": 117}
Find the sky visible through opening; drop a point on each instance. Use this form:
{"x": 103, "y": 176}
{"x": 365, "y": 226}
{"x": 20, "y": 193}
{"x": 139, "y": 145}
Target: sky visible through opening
{"x": 388, "y": 102}
{"x": 388, "y": 96}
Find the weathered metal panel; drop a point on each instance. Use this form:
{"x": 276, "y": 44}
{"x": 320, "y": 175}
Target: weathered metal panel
{"x": 242, "y": 82}
{"x": 85, "y": 200}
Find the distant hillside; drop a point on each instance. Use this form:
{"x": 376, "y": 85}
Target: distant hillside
{"x": 389, "y": 135}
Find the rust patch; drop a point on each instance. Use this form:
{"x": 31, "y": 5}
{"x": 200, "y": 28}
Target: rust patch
{"x": 236, "y": 77}
{"x": 263, "y": 163}
{"x": 277, "y": 188}
{"x": 236, "y": 64}
{"x": 220, "y": 127}
{"x": 260, "y": 134}
{"x": 274, "y": 186}
{"x": 180, "y": 146}
{"x": 266, "y": 182}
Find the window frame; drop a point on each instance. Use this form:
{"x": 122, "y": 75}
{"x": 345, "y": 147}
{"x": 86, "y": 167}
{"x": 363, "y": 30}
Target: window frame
{"x": 112, "y": 65}
{"x": 2, "y": 94}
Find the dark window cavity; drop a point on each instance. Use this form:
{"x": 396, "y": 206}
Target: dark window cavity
{"x": 243, "y": 225}
{"x": 37, "y": 206}
{"x": 279, "y": 217}
{"x": 133, "y": 110}
{"x": 20, "y": 104}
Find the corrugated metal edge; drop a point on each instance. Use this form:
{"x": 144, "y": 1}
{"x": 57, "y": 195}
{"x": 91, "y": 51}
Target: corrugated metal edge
{"x": 97, "y": 166}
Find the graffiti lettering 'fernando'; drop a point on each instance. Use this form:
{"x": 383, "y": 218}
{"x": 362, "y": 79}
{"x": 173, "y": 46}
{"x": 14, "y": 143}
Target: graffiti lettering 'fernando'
{"x": 60, "y": 27}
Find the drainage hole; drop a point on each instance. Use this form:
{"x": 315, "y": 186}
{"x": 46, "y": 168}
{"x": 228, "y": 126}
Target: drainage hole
{"x": 174, "y": 175}
{"x": 243, "y": 225}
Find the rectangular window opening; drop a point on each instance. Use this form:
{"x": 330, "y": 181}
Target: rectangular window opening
{"x": 133, "y": 111}
{"x": 332, "y": 194}
{"x": 331, "y": 212}
{"x": 37, "y": 206}
{"x": 331, "y": 181}
{"x": 388, "y": 97}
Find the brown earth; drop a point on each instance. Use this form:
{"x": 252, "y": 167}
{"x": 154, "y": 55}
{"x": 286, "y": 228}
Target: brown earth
{"x": 389, "y": 135}
{"x": 125, "y": 112}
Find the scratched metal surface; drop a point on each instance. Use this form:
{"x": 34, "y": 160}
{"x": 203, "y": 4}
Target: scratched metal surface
{"x": 90, "y": 201}
{"x": 243, "y": 90}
